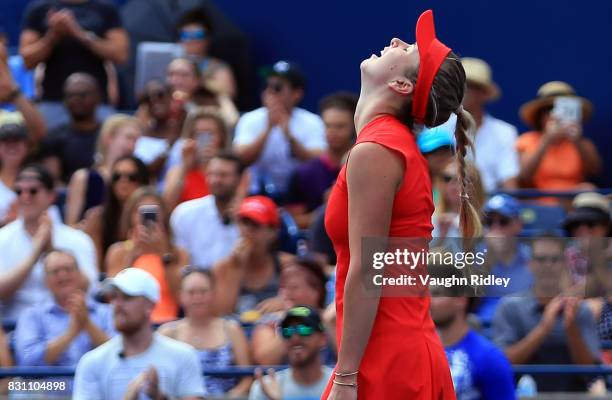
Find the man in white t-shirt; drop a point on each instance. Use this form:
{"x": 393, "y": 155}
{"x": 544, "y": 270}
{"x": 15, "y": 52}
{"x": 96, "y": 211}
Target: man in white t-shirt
{"x": 138, "y": 363}
{"x": 24, "y": 242}
{"x": 496, "y": 157}
{"x": 275, "y": 137}
{"x": 205, "y": 227}
{"x": 306, "y": 378}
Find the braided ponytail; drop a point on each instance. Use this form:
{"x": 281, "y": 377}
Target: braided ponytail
{"x": 469, "y": 218}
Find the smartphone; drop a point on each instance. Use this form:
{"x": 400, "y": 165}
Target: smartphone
{"x": 567, "y": 109}
{"x": 203, "y": 139}
{"x": 149, "y": 214}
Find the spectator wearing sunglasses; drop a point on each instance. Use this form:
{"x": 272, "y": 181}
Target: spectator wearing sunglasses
{"x": 302, "y": 281}
{"x": 448, "y": 201}
{"x": 589, "y": 224}
{"x": 274, "y": 138}
{"x": 507, "y": 256}
{"x": 219, "y": 342}
{"x": 24, "y": 242}
{"x": 127, "y": 174}
{"x": 74, "y": 143}
{"x": 195, "y": 33}
{"x": 545, "y": 324}
{"x": 118, "y": 137}
{"x": 303, "y": 338}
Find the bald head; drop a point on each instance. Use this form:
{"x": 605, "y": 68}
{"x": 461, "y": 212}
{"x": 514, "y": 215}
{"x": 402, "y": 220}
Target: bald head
{"x": 82, "y": 80}
{"x": 81, "y": 96}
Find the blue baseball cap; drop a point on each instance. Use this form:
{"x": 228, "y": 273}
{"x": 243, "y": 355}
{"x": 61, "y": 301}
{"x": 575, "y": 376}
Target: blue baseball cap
{"x": 432, "y": 139}
{"x": 503, "y": 204}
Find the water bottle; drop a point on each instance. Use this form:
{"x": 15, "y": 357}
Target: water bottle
{"x": 526, "y": 387}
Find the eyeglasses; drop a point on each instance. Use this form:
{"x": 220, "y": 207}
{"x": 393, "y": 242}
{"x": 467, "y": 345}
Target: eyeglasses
{"x": 132, "y": 177}
{"x": 301, "y": 330}
{"x": 547, "y": 259}
{"x": 501, "y": 221}
{"x": 276, "y": 87}
{"x": 32, "y": 191}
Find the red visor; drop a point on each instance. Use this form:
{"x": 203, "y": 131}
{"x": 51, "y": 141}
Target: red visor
{"x": 432, "y": 53}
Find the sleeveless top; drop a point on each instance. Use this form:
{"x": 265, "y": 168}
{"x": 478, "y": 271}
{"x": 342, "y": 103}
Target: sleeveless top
{"x": 167, "y": 307}
{"x": 195, "y": 185}
{"x": 604, "y": 326}
{"x": 220, "y": 357}
{"x": 403, "y": 341}
{"x": 249, "y": 298}
{"x": 94, "y": 194}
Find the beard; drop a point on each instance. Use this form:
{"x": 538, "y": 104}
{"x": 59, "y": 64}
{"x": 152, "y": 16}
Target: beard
{"x": 443, "y": 323}
{"x": 128, "y": 326}
{"x": 306, "y": 360}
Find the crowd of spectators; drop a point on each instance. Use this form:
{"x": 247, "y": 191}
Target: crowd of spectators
{"x": 147, "y": 246}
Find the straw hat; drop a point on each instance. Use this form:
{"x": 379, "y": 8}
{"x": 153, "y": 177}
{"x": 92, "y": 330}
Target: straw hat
{"x": 479, "y": 73}
{"x": 546, "y": 98}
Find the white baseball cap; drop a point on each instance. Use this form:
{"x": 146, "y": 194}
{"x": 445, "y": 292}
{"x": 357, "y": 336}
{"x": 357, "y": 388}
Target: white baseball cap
{"x": 136, "y": 282}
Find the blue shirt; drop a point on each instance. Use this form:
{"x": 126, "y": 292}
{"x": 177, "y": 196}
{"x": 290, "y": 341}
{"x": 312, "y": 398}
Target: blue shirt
{"x": 521, "y": 280}
{"x": 480, "y": 370}
{"x": 40, "y": 324}
{"x": 518, "y": 315}
{"x": 23, "y": 77}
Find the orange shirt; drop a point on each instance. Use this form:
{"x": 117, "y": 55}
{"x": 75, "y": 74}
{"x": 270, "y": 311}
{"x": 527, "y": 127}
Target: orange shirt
{"x": 561, "y": 166}
{"x": 166, "y": 308}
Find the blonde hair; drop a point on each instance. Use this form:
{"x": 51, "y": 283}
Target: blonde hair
{"x": 108, "y": 131}
{"x": 205, "y": 113}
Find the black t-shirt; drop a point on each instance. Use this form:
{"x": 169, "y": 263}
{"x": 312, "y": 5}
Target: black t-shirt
{"x": 75, "y": 149}
{"x": 69, "y": 55}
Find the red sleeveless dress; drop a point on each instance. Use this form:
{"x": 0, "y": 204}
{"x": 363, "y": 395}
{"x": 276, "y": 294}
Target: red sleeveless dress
{"x": 404, "y": 358}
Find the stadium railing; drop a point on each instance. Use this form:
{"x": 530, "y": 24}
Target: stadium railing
{"x": 542, "y": 369}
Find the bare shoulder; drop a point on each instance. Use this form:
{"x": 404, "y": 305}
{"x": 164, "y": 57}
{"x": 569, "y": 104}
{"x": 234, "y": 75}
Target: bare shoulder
{"x": 234, "y": 329}
{"x": 169, "y": 329}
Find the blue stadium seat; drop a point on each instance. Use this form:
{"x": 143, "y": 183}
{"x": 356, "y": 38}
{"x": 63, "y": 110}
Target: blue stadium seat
{"x": 289, "y": 235}
{"x": 537, "y": 218}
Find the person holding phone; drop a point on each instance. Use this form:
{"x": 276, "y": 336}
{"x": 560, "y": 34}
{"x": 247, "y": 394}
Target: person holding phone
{"x": 204, "y": 135}
{"x": 556, "y": 155}
{"x": 388, "y": 345}
{"x": 145, "y": 223}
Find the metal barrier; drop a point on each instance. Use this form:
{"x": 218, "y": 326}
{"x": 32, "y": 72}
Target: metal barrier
{"x": 543, "y": 369}
{"x": 533, "y": 193}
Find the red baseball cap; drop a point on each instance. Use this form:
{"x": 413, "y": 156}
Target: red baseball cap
{"x": 260, "y": 209}
{"x": 432, "y": 53}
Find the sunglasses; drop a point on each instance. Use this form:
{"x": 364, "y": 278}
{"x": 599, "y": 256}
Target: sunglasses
{"x": 192, "y": 34}
{"x": 547, "y": 259}
{"x": 32, "y": 191}
{"x": 133, "y": 177}
{"x": 275, "y": 87}
{"x": 301, "y": 330}
{"x": 498, "y": 220}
